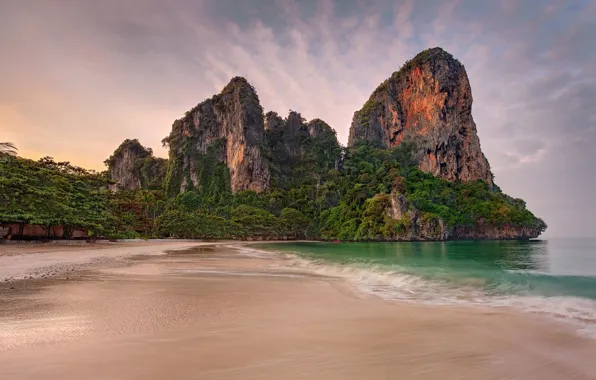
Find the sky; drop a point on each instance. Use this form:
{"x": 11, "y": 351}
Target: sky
{"x": 79, "y": 77}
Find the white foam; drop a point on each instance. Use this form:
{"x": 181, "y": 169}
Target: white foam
{"x": 393, "y": 285}
{"x": 251, "y": 252}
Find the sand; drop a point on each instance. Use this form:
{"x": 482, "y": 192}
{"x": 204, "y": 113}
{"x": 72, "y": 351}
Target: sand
{"x": 33, "y": 260}
{"x": 218, "y": 312}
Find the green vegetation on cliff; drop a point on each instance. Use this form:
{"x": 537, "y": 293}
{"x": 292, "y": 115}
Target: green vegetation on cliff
{"x": 352, "y": 202}
{"x": 297, "y": 157}
{"x": 370, "y": 174}
{"x": 306, "y": 185}
{"x": 135, "y": 165}
{"x": 226, "y": 129}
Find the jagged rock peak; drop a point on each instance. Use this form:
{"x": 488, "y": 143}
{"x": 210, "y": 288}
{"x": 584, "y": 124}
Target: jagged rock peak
{"x": 121, "y": 164}
{"x": 273, "y": 121}
{"x": 227, "y": 129}
{"x": 292, "y": 124}
{"x": 317, "y": 127}
{"x": 295, "y": 122}
{"x": 429, "y": 102}
{"x": 133, "y": 166}
{"x": 237, "y": 83}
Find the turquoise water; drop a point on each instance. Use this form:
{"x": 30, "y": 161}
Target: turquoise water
{"x": 556, "y": 277}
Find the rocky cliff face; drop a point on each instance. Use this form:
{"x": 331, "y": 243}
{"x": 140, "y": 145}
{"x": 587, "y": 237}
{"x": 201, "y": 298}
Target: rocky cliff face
{"x": 418, "y": 226}
{"x": 219, "y": 141}
{"x": 300, "y": 152}
{"x": 286, "y": 136}
{"x": 133, "y": 166}
{"x": 429, "y": 102}
{"x": 225, "y": 145}
{"x": 488, "y": 232}
{"x": 318, "y": 127}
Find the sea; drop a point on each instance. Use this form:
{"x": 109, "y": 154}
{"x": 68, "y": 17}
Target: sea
{"x": 555, "y": 278}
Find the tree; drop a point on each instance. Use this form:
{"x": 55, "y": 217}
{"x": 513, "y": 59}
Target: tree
{"x": 195, "y": 225}
{"x": 51, "y": 194}
{"x": 256, "y": 222}
{"x": 7, "y": 149}
{"x": 294, "y": 223}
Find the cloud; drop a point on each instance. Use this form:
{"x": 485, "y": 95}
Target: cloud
{"x": 527, "y": 146}
{"x": 79, "y": 77}
{"x": 525, "y": 153}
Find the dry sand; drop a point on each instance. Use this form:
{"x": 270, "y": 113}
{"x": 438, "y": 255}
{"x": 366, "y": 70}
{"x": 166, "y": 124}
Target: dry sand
{"x": 215, "y": 312}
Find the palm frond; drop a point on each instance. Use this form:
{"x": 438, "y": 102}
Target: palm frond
{"x": 7, "y": 149}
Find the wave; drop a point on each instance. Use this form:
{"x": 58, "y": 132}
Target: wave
{"x": 396, "y": 284}
{"x": 251, "y": 252}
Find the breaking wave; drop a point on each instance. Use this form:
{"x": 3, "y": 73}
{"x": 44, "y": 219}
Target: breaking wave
{"x": 517, "y": 290}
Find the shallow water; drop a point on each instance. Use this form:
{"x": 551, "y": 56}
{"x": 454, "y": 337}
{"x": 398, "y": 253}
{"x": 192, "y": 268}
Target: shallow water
{"x": 554, "y": 277}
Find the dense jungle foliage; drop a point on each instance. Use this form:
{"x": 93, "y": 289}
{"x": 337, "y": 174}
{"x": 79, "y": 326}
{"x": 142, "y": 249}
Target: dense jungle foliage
{"x": 50, "y": 193}
{"x": 348, "y": 200}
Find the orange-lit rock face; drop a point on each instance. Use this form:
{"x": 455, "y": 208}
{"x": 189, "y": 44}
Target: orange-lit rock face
{"x": 428, "y": 102}
{"x": 234, "y": 119}
{"x": 419, "y": 102}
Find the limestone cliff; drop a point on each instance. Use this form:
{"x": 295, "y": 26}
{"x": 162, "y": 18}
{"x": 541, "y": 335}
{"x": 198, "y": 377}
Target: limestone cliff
{"x": 429, "y": 102}
{"x": 218, "y": 144}
{"x": 318, "y": 127}
{"x": 132, "y": 166}
{"x": 420, "y": 226}
{"x": 415, "y": 225}
{"x": 286, "y": 137}
{"x": 226, "y": 145}
{"x": 300, "y": 152}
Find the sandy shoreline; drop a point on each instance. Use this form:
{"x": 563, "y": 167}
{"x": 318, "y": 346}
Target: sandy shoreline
{"x": 216, "y": 312}
{"x": 32, "y": 261}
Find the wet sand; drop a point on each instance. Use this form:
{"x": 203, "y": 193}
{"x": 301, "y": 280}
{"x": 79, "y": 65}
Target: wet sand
{"x": 217, "y": 312}
{"x": 37, "y": 260}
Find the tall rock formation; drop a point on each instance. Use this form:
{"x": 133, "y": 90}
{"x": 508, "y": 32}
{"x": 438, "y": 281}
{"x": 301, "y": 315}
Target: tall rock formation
{"x": 318, "y": 127}
{"x": 286, "y": 137}
{"x": 132, "y": 167}
{"x": 300, "y": 152}
{"x": 218, "y": 144}
{"x": 226, "y": 145}
{"x": 429, "y": 102}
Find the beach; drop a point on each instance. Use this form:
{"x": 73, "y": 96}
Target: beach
{"x": 184, "y": 310}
